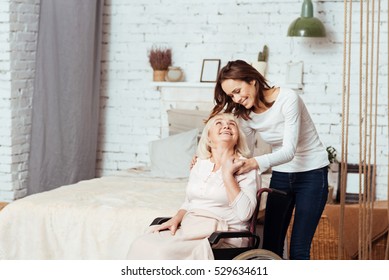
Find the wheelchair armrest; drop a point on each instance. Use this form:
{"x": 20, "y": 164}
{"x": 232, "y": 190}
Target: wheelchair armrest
{"x": 159, "y": 220}
{"x": 217, "y": 235}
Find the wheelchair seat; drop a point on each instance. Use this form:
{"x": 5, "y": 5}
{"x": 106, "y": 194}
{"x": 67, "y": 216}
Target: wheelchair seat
{"x": 251, "y": 251}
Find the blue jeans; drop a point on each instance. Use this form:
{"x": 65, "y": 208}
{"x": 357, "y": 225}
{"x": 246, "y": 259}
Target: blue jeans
{"x": 307, "y": 194}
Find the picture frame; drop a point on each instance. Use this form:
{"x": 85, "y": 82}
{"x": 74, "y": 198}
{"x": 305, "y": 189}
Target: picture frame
{"x": 294, "y": 73}
{"x": 352, "y": 183}
{"x": 210, "y": 70}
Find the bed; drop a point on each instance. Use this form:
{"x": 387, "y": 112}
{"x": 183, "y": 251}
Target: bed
{"x": 93, "y": 219}
{"x": 99, "y": 218}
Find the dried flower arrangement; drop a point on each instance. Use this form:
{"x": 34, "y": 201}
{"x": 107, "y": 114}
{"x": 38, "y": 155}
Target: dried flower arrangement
{"x": 160, "y": 58}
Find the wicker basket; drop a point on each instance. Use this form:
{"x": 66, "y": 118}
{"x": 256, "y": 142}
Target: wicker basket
{"x": 325, "y": 243}
{"x": 379, "y": 247}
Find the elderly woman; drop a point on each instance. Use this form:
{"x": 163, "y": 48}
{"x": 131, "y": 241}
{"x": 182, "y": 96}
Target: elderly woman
{"x": 216, "y": 198}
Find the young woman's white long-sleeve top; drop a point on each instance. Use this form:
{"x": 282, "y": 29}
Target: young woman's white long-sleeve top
{"x": 289, "y": 129}
{"x": 205, "y": 190}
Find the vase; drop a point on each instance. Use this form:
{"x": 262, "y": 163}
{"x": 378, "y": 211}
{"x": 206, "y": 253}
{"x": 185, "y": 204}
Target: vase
{"x": 260, "y": 66}
{"x": 174, "y": 74}
{"x": 159, "y": 75}
{"x": 333, "y": 178}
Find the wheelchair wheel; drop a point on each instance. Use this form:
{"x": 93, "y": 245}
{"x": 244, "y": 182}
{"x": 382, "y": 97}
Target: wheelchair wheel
{"x": 258, "y": 254}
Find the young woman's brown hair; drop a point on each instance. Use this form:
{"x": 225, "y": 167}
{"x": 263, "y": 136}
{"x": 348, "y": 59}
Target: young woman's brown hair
{"x": 238, "y": 70}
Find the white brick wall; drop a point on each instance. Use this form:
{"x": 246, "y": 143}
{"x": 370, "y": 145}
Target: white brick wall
{"x": 18, "y": 36}
{"x": 6, "y": 188}
{"x": 225, "y": 29}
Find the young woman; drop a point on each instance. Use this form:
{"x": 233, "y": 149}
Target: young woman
{"x": 216, "y": 198}
{"x": 298, "y": 160}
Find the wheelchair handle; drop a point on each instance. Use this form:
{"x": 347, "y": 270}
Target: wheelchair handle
{"x": 269, "y": 190}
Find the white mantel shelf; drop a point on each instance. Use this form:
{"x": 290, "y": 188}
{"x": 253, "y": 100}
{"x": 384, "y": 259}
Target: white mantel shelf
{"x": 183, "y": 84}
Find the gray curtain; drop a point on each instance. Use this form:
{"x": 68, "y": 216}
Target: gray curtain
{"x": 65, "y": 106}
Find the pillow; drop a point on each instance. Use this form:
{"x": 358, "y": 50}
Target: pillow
{"x": 181, "y": 120}
{"x": 170, "y": 157}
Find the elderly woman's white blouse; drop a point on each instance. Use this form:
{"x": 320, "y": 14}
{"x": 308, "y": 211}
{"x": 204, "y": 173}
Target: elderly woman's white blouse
{"x": 205, "y": 190}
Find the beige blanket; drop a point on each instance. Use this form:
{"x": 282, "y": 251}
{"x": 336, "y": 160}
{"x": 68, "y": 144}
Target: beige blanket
{"x": 94, "y": 219}
{"x": 190, "y": 241}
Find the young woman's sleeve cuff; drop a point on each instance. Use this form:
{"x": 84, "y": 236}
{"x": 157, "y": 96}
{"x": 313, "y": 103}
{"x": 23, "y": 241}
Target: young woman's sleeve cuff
{"x": 263, "y": 163}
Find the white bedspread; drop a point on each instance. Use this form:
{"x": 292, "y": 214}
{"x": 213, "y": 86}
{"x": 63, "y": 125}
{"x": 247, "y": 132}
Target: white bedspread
{"x": 93, "y": 219}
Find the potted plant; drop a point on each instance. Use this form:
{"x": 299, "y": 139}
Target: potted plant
{"x": 160, "y": 59}
{"x": 261, "y": 64}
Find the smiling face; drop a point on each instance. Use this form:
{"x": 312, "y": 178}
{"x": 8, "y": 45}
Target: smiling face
{"x": 240, "y": 92}
{"x": 222, "y": 132}
{"x": 223, "y": 129}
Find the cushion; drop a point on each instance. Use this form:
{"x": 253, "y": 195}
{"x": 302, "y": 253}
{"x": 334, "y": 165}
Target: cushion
{"x": 181, "y": 120}
{"x": 170, "y": 157}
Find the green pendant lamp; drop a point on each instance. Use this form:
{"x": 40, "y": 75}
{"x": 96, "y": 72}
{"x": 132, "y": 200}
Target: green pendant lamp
{"x": 307, "y": 25}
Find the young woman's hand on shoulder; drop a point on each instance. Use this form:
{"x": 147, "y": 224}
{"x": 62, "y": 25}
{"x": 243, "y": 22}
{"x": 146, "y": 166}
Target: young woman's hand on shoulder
{"x": 247, "y": 165}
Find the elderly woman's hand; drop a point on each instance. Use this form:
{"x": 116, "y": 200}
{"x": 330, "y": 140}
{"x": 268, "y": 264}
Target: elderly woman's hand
{"x": 231, "y": 166}
{"x": 171, "y": 225}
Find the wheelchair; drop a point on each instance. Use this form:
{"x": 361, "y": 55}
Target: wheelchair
{"x": 252, "y": 250}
